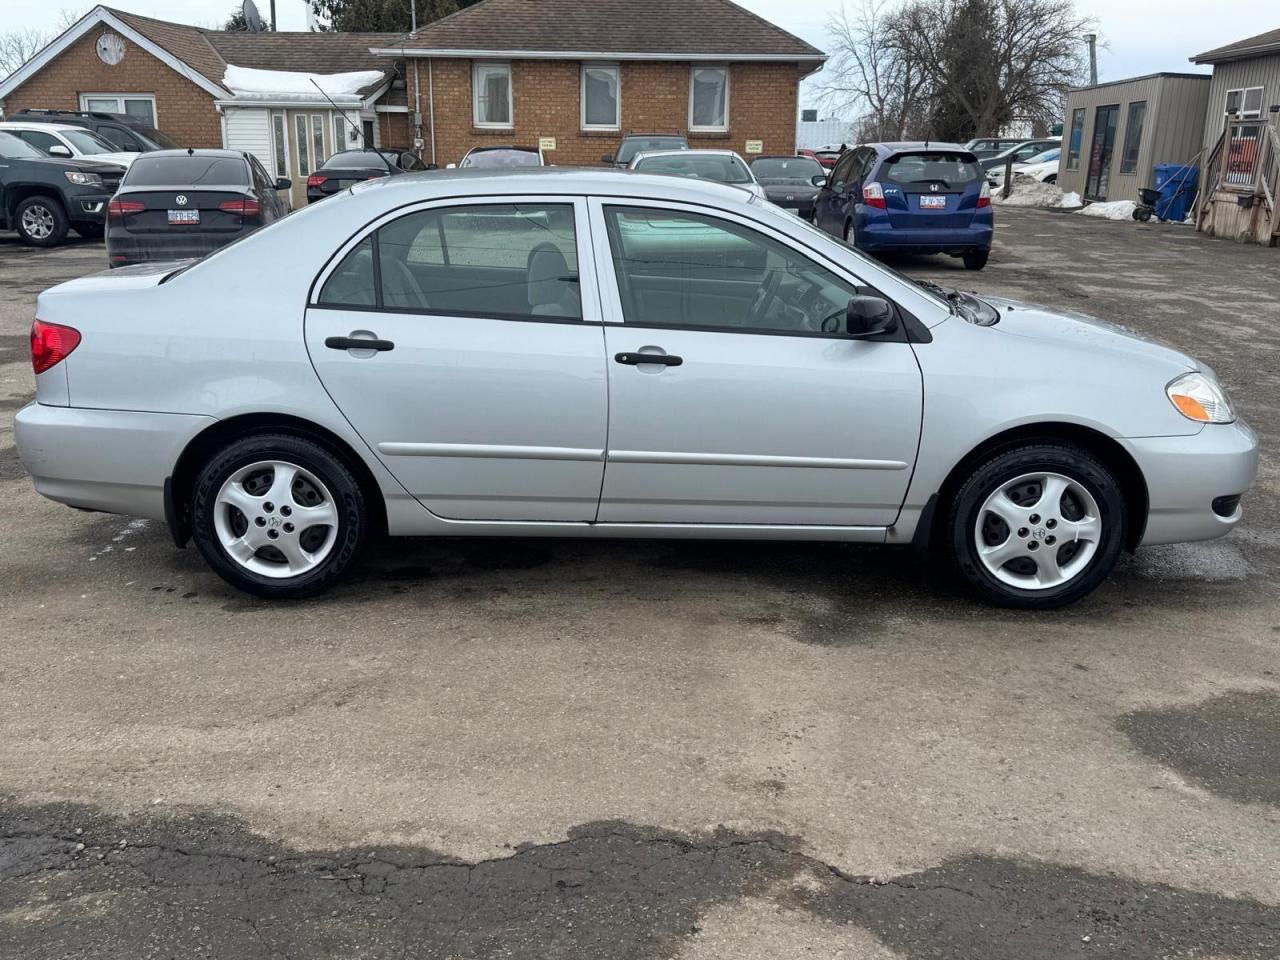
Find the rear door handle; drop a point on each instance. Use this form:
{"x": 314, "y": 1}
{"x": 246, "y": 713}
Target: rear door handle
{"x": 357, "y": 343}
{"x": 635, "y": 359}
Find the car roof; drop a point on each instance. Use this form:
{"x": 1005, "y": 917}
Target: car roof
{"x": 505, "y": 146}
{"x": 899, "y": 146}
{"x": 673, "y": 136}
{"x": 686, "y": 153}
{"x": 39, "y": 125}
{"x": 197, "y": 152}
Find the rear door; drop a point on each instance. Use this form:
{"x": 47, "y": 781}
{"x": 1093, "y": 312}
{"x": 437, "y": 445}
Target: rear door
{"x": 931, "y": 188}
{"x": 829, "y": 205}
{"x": 485, "y": 391}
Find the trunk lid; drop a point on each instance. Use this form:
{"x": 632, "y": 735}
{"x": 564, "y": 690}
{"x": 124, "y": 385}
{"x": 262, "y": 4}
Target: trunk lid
{"x": 176, "y": 209}
{"x": 932, "y": 189}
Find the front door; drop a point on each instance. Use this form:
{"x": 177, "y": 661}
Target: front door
{"x": 734, "y": 397}
{"x": 482, "y": 388}
{"x": 1104, "y": 141}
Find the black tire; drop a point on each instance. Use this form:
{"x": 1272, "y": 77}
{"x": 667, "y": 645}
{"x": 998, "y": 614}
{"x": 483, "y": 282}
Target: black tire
{"x": 1142, "y": 214}
{"x": 976, "y": 259}
{"x": 1073, "y": 462}
{"x": 325, "y": 465}
{"x": 1051, "y": 178}
{"x": 41, "y": 207}
{"x": 90, "y": 231}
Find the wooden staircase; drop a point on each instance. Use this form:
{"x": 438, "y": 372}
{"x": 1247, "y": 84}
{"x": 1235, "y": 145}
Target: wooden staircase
{"x": 1240, "y": 184}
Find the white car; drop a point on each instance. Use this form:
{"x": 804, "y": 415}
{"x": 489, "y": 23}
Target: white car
{"x": 1042, "y": 167}
{"x": 585, "y": 353}
{"x": 719, "y": 166}
{"x": 67, "y": 142}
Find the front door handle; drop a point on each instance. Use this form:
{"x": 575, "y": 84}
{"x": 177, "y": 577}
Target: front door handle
{"x": 357, "y": 343}
{"x": 635, "y": 359}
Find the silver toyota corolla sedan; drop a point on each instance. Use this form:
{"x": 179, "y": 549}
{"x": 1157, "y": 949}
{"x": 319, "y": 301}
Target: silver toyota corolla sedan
{"x": 564, "y": 352}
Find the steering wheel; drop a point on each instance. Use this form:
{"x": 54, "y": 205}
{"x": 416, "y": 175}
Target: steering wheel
{"x": 764, "y": 296}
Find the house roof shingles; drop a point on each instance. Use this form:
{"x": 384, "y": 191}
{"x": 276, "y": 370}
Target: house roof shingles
{"x": 1263, "y": 43}
{"x": 668, "y": 27}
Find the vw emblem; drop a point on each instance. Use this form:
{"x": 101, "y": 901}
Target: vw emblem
{"x": 933, "y": 187}
{"x": 181, "y": 199}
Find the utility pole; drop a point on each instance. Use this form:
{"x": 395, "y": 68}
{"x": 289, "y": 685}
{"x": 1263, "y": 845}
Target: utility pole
{"x": 1092, "y": 40}
{"x": 273, "y": 16}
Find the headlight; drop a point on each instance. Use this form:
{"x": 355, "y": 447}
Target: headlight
{"x": 83, "y": 179}
{"x": 1200, "y": 397}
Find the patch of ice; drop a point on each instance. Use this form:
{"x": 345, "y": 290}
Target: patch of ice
{"x": 1114, "y": 210}
{"x": 247, "y": 80}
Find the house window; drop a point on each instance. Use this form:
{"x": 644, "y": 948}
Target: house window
{"x": 1133, "y": 137}
{"x": 1245, "y": 103}
{"x": 317, "y": 139}
{"x": 370, "y": 139}
{"x": 1076, "y": 138}
{"x": 339, "y": 134}
{"x": 709, "y": 99}
{"x": 140, "y": 106}
{"x": 280, "y": 144}
{"x": 601, "y": 104}
{"x": 491, "y": 94}
{"x": 304, "y": 144}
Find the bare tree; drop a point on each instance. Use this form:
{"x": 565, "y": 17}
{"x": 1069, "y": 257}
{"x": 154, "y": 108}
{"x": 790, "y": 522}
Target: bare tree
{"x": 19, "y": 46}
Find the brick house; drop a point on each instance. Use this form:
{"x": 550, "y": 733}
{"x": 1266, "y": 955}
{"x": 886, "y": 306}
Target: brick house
{"x": 576, "y": 76}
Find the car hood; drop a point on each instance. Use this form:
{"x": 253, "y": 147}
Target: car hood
{"x": 68, "y": 163}
{"x": 1080, "y": 332}
{"x": 119, "y": 159}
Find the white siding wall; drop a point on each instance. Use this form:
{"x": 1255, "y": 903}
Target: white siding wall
{"x": 249, "y": 128}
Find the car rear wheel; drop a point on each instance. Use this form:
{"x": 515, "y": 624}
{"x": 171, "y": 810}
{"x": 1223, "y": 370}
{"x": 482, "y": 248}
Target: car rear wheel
{"x": 41, "y": 222}
{"x": 279, "y": 516}
{"x": 975, "y": 259}
{"x": 1037, "y": 526}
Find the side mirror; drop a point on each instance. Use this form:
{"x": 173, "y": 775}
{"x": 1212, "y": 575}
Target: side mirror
{"x": 58, "y": 150}
{"x": 869, "y": 317}
{"x": 819, "y": 180}
{"x": 607, "y": 158}
{"x": 283, "y": 183}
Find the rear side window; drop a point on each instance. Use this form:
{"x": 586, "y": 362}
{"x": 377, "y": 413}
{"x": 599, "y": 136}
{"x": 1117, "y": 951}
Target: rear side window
{"x": 505, "y": 261}
{"x": 120, "y": 138}
{"x": 189, "y": 171}
{"x": 946, "y": 167}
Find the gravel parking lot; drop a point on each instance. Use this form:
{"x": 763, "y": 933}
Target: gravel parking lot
{"x": 656, "y": 750}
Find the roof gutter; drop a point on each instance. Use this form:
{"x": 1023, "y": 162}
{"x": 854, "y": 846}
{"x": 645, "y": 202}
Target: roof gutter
{"x": 460, "y": 54}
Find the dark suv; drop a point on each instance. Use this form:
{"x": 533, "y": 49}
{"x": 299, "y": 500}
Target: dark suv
{"x": 43, "y": 197}
{"x": 125, "y": 133}
{"x": 634, "y": 143}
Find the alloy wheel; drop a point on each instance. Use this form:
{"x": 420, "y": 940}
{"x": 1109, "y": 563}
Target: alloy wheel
{"x": 38, "y": 222}
{"x": 275, "y": 519}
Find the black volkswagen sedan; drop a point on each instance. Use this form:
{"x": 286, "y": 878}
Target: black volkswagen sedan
{"x": 174, "y": 204}
{"x": 349, "y": 167}
{"x": 790, "y": 182}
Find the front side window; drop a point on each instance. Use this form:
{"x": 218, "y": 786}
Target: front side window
{"x": 504, "y": 261}
{"x": 491, "y": 94}
{"x": 678, "y": 269}
{"x": 1133, "y": 136}
{"x": 1076, "y": 138}
{"x": 601, "y": 103}
{"x": 709, "y": 99}
{"x": 87, "y": 142}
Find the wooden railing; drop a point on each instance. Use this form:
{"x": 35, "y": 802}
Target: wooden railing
{"x": 1243, "y": 168}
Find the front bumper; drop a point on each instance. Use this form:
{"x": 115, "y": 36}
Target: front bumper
{"x": 1185, "y": 475}
{"x": 87, "y": 207}
{"x": 110, "y": 460}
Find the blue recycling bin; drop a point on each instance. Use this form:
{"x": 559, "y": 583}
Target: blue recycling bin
{"x": 1176, "y": 183}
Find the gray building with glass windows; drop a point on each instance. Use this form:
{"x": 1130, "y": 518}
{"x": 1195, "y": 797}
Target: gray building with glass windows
{"x": 1115, "y": 133}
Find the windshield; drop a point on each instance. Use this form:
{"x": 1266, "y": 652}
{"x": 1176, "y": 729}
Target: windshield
{"x": 787, "y": 168}
{"x": 150, "y": 170}
{"x": 501, "y": 157}
{"x": 13, "y": 148}
{"x": 633, "y": 145}
{"x": 87, "y": 142}
{"x": 1046, "y": 156}
{"x": 723, "y": 168}
{"x": 946, "y": 167}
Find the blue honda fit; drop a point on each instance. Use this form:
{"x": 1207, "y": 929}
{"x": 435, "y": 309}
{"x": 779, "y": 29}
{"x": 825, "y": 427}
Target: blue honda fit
{"x": 917, "y": 197}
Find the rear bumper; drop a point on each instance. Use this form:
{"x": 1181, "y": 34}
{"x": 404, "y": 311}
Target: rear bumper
{"x": 1185, "y": 475}
{"x": 110, "y": 460}
{"x": 883, "y": 236}
{"x": 124, "y": 248}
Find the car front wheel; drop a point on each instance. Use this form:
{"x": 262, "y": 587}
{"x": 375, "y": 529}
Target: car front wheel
{"x": 41, "y": 222}
{"x": 279, "y": 516}
{"x": 1036, "y": 526}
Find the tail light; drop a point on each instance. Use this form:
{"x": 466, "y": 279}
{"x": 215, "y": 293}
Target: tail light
{"x": 117, "y": 209}
{"x": 316, "y": 179}
{"x": 984, "y": 195}
{"x": 873, "y": 196}
{"x": 51, "y": 343}
{"x": 245, "y": 206}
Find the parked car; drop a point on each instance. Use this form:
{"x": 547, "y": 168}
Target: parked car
{"x": 506, "y": 156}
{"x": 1021, "y": 153}
{"x": 423, "y": 355}
{"x": 634, "y": 143}
{"x": 984, "y": 147}
{"x": 721, "y": 166}
{"x": 917, "y": 197}
{"x": 828, "y": 158}
{"x": 348, "y": 167}
{"x": 175, "y": 204}
{"x": 67, "y": 142}
{"x": 1042, "y": 167}
{"x": 43, "y": 197}
{"x": 790, "y": 182}
{"x": 125, "y": 133}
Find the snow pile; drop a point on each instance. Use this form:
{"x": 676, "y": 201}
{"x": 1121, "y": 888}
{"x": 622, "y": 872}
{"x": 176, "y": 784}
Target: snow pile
{"x": 1115, "y": 210}
{"x": 1071, "y": 199}
{"x": 1030, "y": 192}
{"x": 287, "y": 85}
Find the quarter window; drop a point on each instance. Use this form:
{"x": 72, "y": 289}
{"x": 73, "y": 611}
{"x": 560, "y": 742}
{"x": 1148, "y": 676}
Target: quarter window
{"x": 1076, "y": 138}
{"x": 352, "y": 284}
{"x": 491, "y": 94}
{"x": 600, "y": 97}
{"x": 1133, "y": 137}
{"x": 678, "y": 269}
{"x": 709, "y": 99}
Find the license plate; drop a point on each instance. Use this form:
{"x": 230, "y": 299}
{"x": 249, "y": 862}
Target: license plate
{"x": 933, "y": 203}
{"x": 184, "y": 216}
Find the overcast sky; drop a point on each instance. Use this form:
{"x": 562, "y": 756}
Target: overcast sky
{"x": 1141, "y": 36}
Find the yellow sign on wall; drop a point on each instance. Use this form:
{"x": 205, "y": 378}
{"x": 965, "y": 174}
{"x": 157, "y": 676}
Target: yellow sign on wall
{"x": 755, "y": 146}
{"x": 546, "y": 143}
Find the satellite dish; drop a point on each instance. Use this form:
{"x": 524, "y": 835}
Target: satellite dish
{"x": 251, "y": 17}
